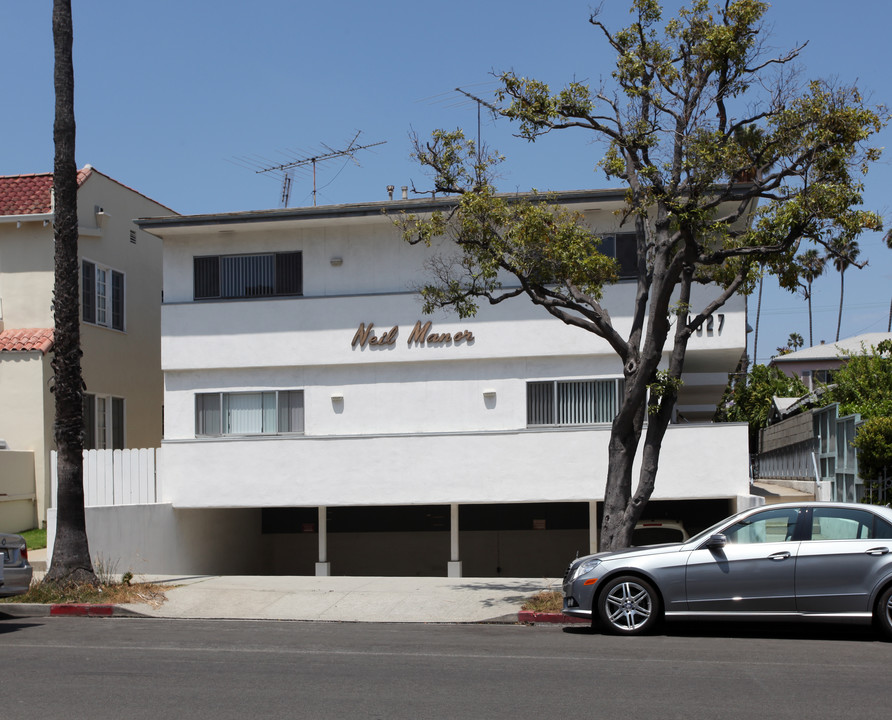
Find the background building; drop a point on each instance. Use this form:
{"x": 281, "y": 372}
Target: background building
{"x": 120, "y": 330}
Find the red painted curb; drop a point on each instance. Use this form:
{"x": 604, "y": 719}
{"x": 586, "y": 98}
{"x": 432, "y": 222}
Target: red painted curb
{"x": 82, "y": 610}
{"x": 531, "y": 617}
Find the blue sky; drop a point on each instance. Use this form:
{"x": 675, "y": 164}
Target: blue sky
{"x": 184, "y": 99}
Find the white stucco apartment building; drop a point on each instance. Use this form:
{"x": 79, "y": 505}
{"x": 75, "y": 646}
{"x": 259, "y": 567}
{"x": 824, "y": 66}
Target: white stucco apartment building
{"x": 120, "y": 268}
{"x": 316, "y": 421}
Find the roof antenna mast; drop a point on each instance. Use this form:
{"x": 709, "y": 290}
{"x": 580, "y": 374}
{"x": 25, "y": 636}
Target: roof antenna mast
{"x": 287, "y": 169}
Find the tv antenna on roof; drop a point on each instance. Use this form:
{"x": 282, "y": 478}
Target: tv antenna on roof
{"x": 287, "y": 169}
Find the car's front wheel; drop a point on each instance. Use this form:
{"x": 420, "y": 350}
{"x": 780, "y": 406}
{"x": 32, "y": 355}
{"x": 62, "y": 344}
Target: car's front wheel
{"x": 628, "y": 605}
{"x": 883, "y": 614}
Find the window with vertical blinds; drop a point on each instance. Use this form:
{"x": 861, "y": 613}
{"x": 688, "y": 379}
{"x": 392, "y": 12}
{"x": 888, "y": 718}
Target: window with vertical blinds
{"x": 248, "y": 276}
{"x": 623, "y": 247}
{"x": 573, "y": 402}
{"x": 249, "y": 413}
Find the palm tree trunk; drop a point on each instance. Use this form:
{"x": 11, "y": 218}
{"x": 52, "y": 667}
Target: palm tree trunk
{"x": 811, "y": 341}
{"x": 842, "y": 288}
{"x": 756, "y": 331}
{"x": 71, "y": 553}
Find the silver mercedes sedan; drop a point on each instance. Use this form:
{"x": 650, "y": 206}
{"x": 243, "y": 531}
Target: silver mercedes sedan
{"x": 819, "y": 561}
{"x": 15, "y": 578}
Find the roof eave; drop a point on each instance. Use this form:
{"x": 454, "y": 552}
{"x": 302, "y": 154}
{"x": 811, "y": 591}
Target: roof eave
{"x": 33, "y": 217}
{"x": 415, "y": 205}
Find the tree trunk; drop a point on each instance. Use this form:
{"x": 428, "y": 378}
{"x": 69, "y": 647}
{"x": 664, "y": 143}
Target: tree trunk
{"x": 758, "y": 312}
{"x": 811, "y": 341}
{"x": 622, "y": 508}
{"x": 71, "y": 554}
{"x": 842, "y": 288}
{"x": 616, "y": 530}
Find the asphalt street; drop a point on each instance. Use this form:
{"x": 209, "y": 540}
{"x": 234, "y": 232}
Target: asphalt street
{"x": 160, "y": 668}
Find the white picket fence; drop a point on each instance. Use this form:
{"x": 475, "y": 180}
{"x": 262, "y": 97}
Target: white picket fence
{"x": 116, "y": 477}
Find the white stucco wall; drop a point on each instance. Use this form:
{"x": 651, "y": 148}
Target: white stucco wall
{"x": 18, "y": 507}
{"x": 26, "y": 274}
{"x": 405, "y": 423}
{"x": 153, "y": 539}
{"x": 26, "y": 419}
{"x": 704, "y": 461}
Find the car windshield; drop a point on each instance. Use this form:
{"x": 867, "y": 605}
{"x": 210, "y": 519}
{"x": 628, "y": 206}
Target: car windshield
{"x": 711, "y": 530}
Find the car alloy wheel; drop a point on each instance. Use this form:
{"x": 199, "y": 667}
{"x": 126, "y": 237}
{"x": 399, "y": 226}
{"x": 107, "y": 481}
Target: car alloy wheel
{"x": 628, "y": 606}
{"x": 883, "y": 613}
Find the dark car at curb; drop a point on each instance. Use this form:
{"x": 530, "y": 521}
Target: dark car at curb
{"x": 17, "y": 572}
{"x": 793, "y": 561}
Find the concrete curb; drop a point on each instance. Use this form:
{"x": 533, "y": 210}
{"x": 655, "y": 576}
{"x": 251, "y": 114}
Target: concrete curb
{"x": 26, "y": 610}
{"x": 525, "y": 616}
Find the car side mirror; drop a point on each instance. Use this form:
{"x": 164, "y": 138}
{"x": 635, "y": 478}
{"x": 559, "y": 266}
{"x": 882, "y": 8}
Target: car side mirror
{"x": 717, "y": 541}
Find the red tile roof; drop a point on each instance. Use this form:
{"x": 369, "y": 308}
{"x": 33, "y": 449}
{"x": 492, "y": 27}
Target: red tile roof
{"x": 31, "y": 194}
{"x": 27, "y": 340}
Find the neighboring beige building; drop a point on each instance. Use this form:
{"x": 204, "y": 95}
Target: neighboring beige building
{"x": 120, "y": 268}
{"x": 815, "y": 365}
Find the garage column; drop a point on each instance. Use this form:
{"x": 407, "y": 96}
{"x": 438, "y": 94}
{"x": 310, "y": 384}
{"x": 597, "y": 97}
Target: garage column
{"x": 593, "y": 528}
{"x": 454, "y": 567}
{"x": 323, "y": 567}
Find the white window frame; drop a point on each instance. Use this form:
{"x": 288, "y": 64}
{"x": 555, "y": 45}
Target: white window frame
{"x": 223, "y": 411}
{"x": 107, "y": 412}
{"x": 103, "y": 304}
{"x": 230, "y": 277}
{"x": 563, "y": 410}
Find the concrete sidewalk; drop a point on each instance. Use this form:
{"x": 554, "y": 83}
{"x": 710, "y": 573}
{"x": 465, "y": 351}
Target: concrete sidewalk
{"x": 346, "y": 599}
{"x": 329, "y": 599}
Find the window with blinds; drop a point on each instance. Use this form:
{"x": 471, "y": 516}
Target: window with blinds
{"x": 248, "y": 276}
{"x": 573, "y": 402}
{"x": 623, "y": 247}
{"x": 270, "y": 412}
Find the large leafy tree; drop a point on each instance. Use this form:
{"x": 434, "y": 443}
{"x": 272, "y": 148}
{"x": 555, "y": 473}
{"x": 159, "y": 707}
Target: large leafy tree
{"x": 749, "y": 397}
{"x": 71, "y": 554}
{"x": 699, "y": 124}
{"x": 863, "y": 384}
{"x": 874, "y": 443}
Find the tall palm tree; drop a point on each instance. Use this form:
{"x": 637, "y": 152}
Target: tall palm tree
{"x": 811, "y": 264}
{"x": 71, "y": 553}
{"x": 888, "y": 240}
{"x": 758, "y": 313}
{"x": 844, "y": 253}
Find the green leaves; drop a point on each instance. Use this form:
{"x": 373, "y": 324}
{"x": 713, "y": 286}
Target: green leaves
{"x": 864, "y": 383}
{"x": 749, "y": 398}
{"x": 874, "y": 445}
{"x": 547, "y": 247}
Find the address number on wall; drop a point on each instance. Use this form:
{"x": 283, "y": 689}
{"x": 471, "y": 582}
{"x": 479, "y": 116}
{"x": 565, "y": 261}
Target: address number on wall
{"x": 713, "y": 325}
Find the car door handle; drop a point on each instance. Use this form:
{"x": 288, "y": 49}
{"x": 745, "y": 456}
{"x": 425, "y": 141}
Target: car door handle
{"x": 878, "y": 551}
{"x": 779, "y": 555}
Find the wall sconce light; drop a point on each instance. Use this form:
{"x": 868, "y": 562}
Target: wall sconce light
{"x": 336, "y": 261}
{"x": 489, "y": 393}
{"x": 337, "y": 402}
